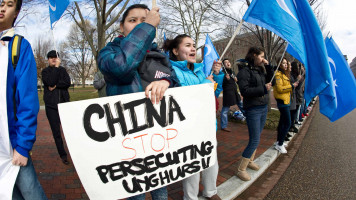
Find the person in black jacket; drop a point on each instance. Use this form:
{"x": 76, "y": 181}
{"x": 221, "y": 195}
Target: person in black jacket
{"x": 56, "y": 83}
{"x": 231, "y": 96}
{"x": 254, "y": 84}
{"x": 296, "y": 99}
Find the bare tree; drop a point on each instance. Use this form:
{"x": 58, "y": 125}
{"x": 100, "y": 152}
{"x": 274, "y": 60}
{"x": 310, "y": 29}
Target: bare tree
{"x": 78, "y": 50}
{"x": 41, "y": 48}
{"x": 191, "y": 17}
{"x": 105, "y": 14}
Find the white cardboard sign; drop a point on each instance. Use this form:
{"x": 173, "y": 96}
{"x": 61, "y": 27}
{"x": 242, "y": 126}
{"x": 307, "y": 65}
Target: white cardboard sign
{"x": 124, "y": 145}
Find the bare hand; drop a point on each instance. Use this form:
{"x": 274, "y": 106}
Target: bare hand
{"x": 295, "y": 84}
{"x": 211, "y": 78}
{"x": 52, "y": 88}
{"x": 265, "y": 62}
{"x": 19, "y": 159}
{"x": 157, "y": 88}
{"x": 235, "y": 79}
{"x": 153, "y": 17}
{"x": 217, "y": 66}
{"x": 58, "y": 62}
{"x": 268, "y": 86}
{"x": 299, "y": 77}
{"x": 2, "y": 42}
{"x": 227, "y": 76}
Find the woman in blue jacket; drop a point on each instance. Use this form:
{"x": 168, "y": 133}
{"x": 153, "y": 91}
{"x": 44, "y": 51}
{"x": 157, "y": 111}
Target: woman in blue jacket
{"x": 119, "y": 62}
{"x": 182, "y": 53}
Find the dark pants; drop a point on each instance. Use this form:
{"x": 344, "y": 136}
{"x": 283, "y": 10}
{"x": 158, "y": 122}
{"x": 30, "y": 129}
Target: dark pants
{"x": 284, "y": 123}
{"x": 293, "y": 115}
{"x": 55, "y": 123}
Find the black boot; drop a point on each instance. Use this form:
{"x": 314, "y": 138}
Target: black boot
{"x": 293, "y": 129}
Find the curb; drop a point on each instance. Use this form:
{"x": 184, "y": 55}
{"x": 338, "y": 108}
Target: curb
{"x": 234, "y": 186}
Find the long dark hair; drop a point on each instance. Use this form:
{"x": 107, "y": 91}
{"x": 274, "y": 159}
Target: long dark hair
{"x": 127, "y": 11}
{"x": 250, "y": 56}
{"x": 169, "y": 45}
{"x": 286, "y": 72}
{"x": 295, "y": 69}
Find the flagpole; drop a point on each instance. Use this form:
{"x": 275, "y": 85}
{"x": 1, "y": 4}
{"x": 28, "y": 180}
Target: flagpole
{"x": 230, "y": 42}
{"x": 154, "y": 4}
{"x": 232, "y": 39}
{"x": 279, "y": 63}
{"x": 54, "y": 42}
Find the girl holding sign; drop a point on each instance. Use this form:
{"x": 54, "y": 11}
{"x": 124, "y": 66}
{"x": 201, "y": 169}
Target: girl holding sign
{"x": 119, "y": 62}
{"x": 182, "y": 54}
{"x": 254, "y": 83}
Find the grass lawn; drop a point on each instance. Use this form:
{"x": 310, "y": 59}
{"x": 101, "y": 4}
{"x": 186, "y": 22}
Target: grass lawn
{"x": 76, "y": 94}
{"x": 271, "y": 122}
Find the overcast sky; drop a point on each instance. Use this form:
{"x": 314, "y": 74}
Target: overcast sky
{"x": 341, "y": 22}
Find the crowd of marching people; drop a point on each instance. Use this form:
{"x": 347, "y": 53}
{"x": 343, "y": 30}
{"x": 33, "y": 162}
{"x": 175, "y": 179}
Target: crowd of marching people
{"x": 124, "y": 64}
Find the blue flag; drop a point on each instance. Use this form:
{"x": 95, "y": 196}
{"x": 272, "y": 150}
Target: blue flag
{"x": 295, "y": 22}
{"x": 56, "y": 9}
{"x": 210, "y": 54}
{"x": 165, "y": 38}
{"x": 344, "y": 81}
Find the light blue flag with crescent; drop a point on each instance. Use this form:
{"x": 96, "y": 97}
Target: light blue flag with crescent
{"x": 210, "y": 54}
{"x": 295, "y": 22}
{"x": 343, "y": 81}
{"x": 56, "y": 9}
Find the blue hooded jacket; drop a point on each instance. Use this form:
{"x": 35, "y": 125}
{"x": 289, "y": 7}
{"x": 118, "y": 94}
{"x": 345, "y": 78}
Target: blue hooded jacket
{"x": 188, "y": 77}
{"x": 23, "y": 131}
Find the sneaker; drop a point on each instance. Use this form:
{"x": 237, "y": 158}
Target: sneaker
{"x": 298, "y": 123}
{"x": 287, "y": 139}
{"x": 293, "y": 129}
{"x": 303, "y": 115}
{"x": 306, "y": 114}
{"x": 281, "y": 149}
{"x": 284, "y": 144}
{"x": 288, "y": 135}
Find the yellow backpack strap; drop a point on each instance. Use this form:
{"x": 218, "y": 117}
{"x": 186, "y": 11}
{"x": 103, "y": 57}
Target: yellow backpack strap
{"x": 15, "y": 55}
{"x": 15, "y": 52}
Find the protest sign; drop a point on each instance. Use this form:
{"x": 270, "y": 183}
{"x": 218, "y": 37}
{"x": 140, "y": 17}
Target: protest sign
{"x": 124, "y": 145}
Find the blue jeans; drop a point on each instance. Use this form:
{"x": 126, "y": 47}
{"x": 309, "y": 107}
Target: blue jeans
{"x": 240, "y": 105}
{"x": 223, "y": 117}
{"x": 225, "y": 110}
{"x": 157, "y": 194}
{"x": 255, "y": 119}
{"x": 27, "y": 185}
{"x": 284, "y": 123}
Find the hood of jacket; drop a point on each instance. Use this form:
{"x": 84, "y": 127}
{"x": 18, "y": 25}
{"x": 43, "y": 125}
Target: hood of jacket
{"x": 182, "y": 65}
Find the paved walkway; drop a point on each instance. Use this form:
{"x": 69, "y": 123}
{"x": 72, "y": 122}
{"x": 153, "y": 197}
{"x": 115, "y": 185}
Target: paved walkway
{"x": 61, "y": 181}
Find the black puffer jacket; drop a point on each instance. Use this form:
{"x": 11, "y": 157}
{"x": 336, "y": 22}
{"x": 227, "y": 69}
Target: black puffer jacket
{"x": 231, "y": 96}
{"x": 252, "y": 82}
{"x": 53, "y": 76}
